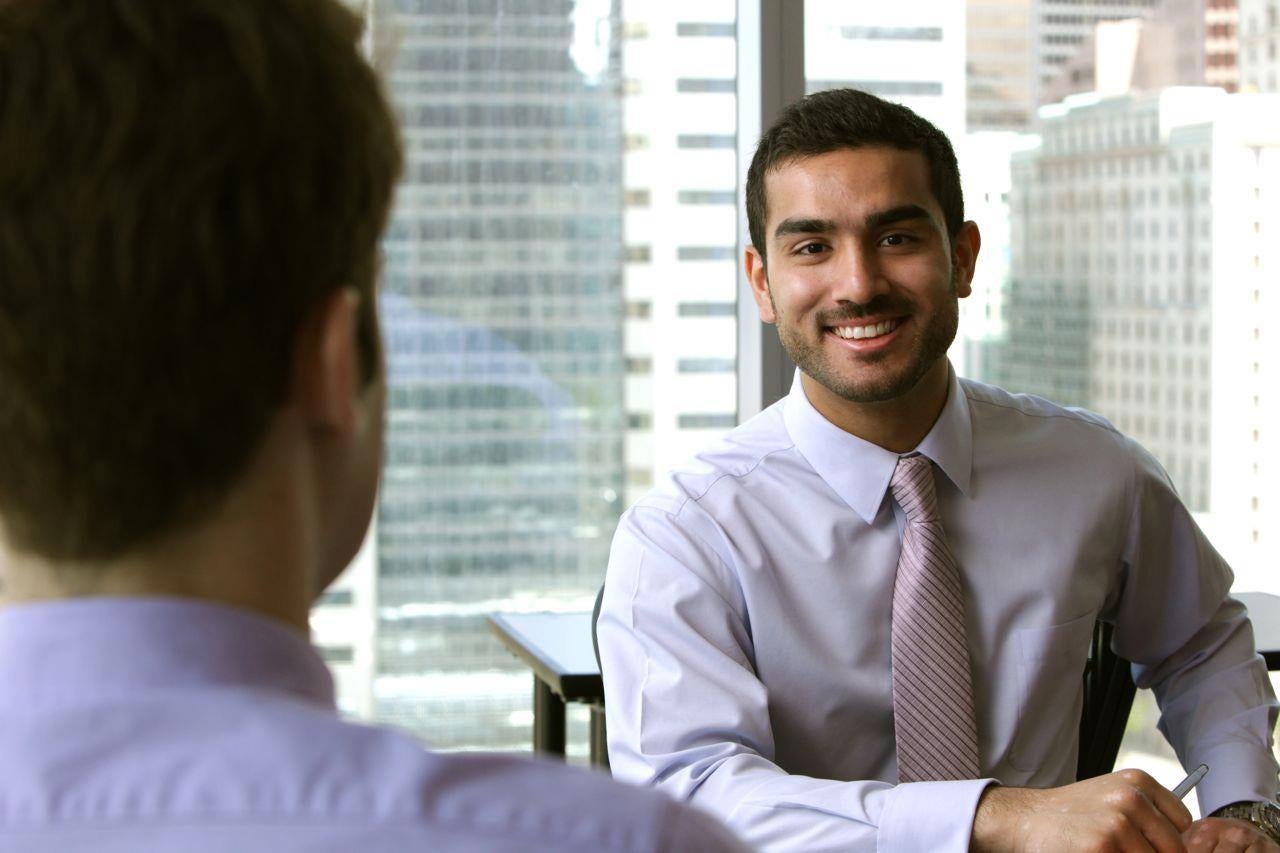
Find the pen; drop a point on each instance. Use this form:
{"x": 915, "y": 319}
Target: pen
{"x": 1185, "y": 786}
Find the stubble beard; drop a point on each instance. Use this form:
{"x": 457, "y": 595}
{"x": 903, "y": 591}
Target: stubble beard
{"x": 931, "y": 342}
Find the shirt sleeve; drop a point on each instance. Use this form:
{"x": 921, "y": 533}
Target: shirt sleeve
{"x": 692, "y": 831}
{"x": 687, "y": 713}
{"x": 1193, "y": 645}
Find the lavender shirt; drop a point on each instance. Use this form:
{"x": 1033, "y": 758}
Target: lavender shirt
{"x": 168, "y": 724}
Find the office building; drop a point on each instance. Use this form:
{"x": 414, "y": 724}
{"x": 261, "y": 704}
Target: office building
{"x": 1017, "y": 48}
{"x": 1179, "y": 43}
{"x": 913, "y": 54}
{"x": 1139, "y": 269}
{"x": 680, "y": 166}
{"x": 503, "y": 317}
{"x": 1259, "y": 45}
{"x": 999, "y": 65}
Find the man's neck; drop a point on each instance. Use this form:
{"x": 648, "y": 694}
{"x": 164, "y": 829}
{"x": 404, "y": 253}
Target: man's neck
{"x": 897, "y": 425}
{"x": 255, "y": 551}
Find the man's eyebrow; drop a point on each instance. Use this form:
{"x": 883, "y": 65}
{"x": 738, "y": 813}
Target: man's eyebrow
{"x": 894, "y": 215}
{"x": 803, "y": 226}
{"x": 879, "y": 219}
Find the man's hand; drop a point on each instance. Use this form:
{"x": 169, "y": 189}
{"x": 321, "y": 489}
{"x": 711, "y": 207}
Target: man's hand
{"x": 1118, "y": 813}
{"x": 1224, "y": 835}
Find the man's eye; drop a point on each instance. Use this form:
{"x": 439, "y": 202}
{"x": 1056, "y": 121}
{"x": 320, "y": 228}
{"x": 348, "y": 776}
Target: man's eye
{"x": 811, "y": 249}
{"x": 895, "y": 240}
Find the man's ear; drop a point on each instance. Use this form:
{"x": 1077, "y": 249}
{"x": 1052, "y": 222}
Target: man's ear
{"x": 326, "y": 363}
{"x": 964, "y": 257}
{"x": 758, "y": 278}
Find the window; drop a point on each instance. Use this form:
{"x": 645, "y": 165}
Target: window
{"x": 337, "y": 654}
{"x": 892, "y": 33}
{"x": 722, "y": 86}
{"x": 724, "y": 421}
{"x": 335, "y": 598}
{"x": 531, "y": 316}
{"x": 639, "y": 310}
{"x": 705, "y": 140}
{"x": 707, "y": 197}
{"x": 708, "y": 309}
{"x": 723, "y": 30}
{"x": 706, "y": 253}
{"x": 638, "y": 254}
{"x": 890, "y": 89}
{"x": 706, "y": 365}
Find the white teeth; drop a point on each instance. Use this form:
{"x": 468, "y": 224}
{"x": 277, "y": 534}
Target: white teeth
{"x": 858, "y": 333}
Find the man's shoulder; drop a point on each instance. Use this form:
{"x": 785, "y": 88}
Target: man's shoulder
{"x": 266, "y": 761}
{"x": 998, "y": 404}
{"x": 725, "y": 464}
{"x": 1044, "y": 435}
{"x": 1010, "y": 419}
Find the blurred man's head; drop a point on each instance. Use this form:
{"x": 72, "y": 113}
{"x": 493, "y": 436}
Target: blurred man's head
{"x": 191, "y": 196}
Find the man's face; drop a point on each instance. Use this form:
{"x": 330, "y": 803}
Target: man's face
{"x": 862, "y": 279}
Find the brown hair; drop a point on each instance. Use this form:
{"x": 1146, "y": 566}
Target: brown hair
{"x": 848, "y": 118}
{"x": 181, "y": 181}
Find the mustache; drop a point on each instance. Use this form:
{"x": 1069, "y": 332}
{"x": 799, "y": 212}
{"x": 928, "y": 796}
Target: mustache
{"x": 879, "y": 305}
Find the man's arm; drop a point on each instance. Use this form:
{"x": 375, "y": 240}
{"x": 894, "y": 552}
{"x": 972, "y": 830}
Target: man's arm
{"x": 687, "y": 713}
{"x": 1193, "y": 646}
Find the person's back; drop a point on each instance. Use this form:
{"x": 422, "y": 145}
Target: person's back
{"x": 118, "y": 738}
{"x": 192, "y": 194}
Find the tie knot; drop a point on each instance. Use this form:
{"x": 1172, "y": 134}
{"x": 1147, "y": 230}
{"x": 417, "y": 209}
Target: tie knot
{"x": 912, "y": 486}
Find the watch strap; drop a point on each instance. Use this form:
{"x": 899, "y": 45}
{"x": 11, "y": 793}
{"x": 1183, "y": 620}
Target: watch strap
{"x": 1265, "y": 816}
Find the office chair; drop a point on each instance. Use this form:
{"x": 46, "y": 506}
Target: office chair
{"x": 1108, "y": 697}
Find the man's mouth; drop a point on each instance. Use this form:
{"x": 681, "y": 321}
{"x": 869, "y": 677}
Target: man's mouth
{"x": 851, "y": 332}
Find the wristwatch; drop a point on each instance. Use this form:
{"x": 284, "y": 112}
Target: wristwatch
{"x": 1265, "y": 816}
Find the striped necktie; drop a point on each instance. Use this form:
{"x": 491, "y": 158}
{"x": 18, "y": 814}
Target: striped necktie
{"x": 933, "y": 714}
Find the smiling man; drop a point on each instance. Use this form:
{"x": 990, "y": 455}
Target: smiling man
{"x": 860, "y": 621}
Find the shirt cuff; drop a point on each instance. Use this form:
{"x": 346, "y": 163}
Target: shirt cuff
{"x": 1237, "y": 771}
{"x": 930, "y": 816}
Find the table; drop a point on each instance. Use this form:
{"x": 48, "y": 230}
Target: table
{"x": 557, "y": 647}
{"x": 1264, "y": 611}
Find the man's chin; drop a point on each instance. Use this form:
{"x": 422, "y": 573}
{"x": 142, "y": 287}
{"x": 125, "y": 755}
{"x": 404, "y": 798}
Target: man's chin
{"x": 888, "y": 385}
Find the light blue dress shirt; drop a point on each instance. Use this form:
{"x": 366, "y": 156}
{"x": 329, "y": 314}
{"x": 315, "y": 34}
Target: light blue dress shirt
{"x": 745, "y": 625}
{"x": 166, "y": 724}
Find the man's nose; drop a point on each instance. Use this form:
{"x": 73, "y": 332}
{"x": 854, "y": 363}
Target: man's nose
{"x": 858, "y": 278}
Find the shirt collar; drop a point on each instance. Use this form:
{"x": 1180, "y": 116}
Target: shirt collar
{"x": 84, "y": 649}
{"x": 859, "y": 471}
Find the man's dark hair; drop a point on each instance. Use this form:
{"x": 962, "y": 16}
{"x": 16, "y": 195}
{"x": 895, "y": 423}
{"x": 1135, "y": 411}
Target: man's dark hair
{"x": 181, "y": 183}
{"x": 847, "y": 118}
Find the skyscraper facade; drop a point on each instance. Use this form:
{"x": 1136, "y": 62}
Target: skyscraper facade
{"x": 1259, "y": 29}
{"x": 1179, "y": 43}
{"x": 503, "y": 316}
{"x": 680, "y": 114}
{"x": 912, "y": 54}
{"x": 999, "y": 71}
{"x": 1138, "y": 286}
{"x": 1017, "y": 48}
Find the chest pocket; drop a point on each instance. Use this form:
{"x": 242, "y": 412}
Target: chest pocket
{"x": 1050, "y": 668}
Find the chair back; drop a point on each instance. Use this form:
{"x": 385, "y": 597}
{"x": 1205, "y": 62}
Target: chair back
{"x": 1108, "y": 697}
{"x": 595, "y": 617}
